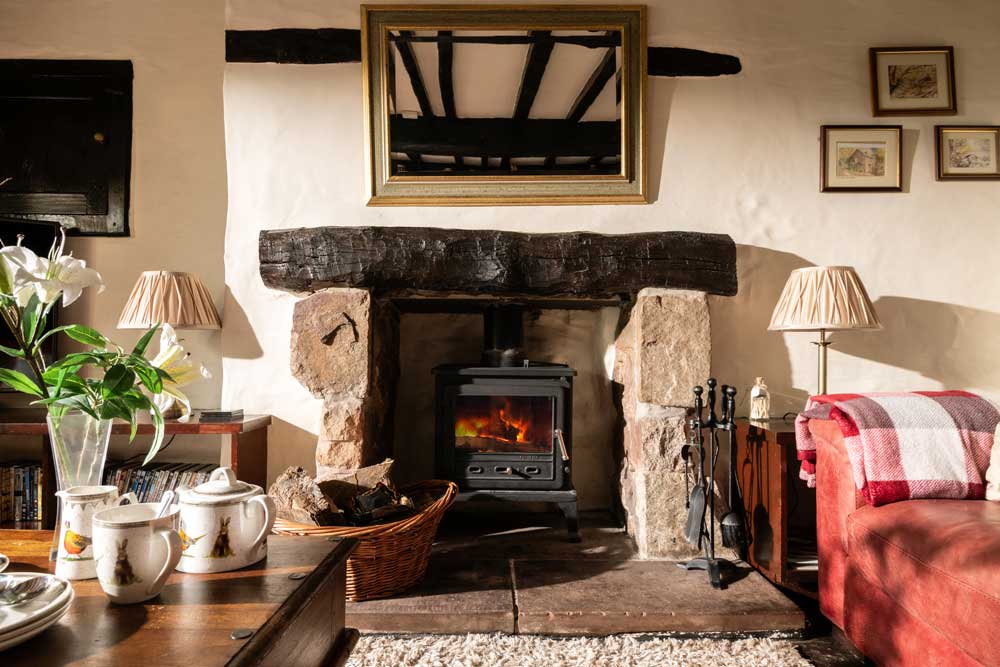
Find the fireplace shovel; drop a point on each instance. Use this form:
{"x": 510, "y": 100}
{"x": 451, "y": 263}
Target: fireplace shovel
{"x": 695, "y": 527}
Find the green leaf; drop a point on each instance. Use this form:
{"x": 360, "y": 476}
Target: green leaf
{"x": 20, "y": 382}
{"x": 60, "y": 381}
{"x": 85, "y": 335}
{"x": 29, "y": 320}
{"x": 12, "y": 352}
{"x": 118, "y": 380}
{"x": 149, "y": 378}
{"x": 140, "y": 347}
{"x": 157, "y": 418}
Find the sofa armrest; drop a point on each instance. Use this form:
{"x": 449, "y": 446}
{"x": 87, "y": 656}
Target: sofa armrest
{"x": 836, "y": 499}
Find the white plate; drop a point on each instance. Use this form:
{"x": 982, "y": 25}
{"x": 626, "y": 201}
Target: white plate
{"x": 15, "y": 616}
{"x": 40, "y": 621}
{"x": 27, "y": 632}
{"x": 4, "y": 562}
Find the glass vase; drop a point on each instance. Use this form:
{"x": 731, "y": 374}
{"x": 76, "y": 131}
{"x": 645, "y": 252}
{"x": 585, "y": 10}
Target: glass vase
{"x": 79, "y": 450}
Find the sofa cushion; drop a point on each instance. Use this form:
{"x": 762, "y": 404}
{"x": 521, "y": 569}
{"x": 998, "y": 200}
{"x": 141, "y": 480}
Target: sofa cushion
{"x": 940, "y": 560}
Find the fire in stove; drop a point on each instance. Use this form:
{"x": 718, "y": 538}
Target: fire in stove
{"x": 504, "y": 424}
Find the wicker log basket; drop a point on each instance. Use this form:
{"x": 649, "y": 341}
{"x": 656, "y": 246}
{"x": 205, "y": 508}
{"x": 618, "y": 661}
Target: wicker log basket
{"x": 391, "y": 557}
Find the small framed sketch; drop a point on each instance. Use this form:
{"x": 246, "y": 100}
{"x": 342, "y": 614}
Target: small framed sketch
{"x": 861, "y": 158}
{"x": 967, "y": 152}
{"x": 913, "y": 81}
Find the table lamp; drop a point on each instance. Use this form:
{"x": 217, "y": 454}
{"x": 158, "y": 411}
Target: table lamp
{"x": 824, "y": 298}
{"x": 169, "y": 297}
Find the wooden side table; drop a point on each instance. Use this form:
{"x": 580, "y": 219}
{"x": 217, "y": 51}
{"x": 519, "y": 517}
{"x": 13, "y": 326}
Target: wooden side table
{"x": 780, "y": 509}
{"x": 248, "y": 438}
{"x": 286, "y": 610}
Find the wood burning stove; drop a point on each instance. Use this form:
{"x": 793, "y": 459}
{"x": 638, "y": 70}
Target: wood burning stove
{"x": 504, "y": 427}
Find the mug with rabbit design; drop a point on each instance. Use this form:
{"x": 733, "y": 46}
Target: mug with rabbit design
{"x": 135, "y": 551}
{"x": 224, "y": 524}
{"x": 79, "y": 504}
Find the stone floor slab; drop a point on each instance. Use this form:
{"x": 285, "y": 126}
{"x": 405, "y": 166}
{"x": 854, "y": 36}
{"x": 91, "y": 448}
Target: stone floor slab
{"x": 455, "y": 596}
{"x": 595, "y": 597}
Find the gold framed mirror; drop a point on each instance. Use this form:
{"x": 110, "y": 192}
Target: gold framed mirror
{"x": 504, "y": 104}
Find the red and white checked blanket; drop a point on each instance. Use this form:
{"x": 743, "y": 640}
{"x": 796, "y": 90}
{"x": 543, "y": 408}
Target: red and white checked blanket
{"x": 922, "y": 444}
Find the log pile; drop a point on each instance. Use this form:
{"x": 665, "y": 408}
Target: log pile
{"x": 365, "y": 497}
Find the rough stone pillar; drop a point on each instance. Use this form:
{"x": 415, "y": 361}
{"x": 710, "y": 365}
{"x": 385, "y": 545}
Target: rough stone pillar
{"x": 663, "y": 351}
{"x": 337, "y": 355}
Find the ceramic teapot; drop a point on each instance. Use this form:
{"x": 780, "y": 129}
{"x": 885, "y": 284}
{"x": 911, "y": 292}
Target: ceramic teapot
{"x": 224, "y": 524}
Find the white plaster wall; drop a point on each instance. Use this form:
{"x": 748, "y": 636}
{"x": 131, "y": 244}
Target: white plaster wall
{"x": 737, "y": 155}
{"x": 178, "y": 188}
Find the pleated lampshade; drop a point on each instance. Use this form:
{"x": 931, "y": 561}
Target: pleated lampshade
{"x": 827, "y": 298}
{"x": 169, "y": 297}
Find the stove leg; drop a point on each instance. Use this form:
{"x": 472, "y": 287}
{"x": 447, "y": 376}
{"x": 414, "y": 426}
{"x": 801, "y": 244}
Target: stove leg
{"x": 572, "y": 520}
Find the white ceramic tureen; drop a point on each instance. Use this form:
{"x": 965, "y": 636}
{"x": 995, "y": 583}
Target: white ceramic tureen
{"x": 224, "y": 524}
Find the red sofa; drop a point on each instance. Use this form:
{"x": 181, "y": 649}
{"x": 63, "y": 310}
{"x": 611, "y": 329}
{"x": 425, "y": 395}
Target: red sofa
{"x": 913, "y": 583}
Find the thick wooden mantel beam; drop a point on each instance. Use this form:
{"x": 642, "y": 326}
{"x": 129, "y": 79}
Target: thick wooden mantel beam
{"x": 457, "y": 260}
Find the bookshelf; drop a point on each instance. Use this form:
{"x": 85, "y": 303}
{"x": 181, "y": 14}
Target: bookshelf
{"x": 248, "y": 448}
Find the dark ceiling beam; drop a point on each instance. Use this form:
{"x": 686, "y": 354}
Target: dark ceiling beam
{"x": 589, "y": 41}
{"x": 436, "y": 168}
{"x": 675, "y": 61}
{"x": 446, "y": 55}
{"x": 336, "y": 45}
{"x": 535, "y": 62}
{"x": 595, "y": 84}
{"x": 416, "y": 80}
{"x": 535, "y": 137}
{"x": 290, "y": 45}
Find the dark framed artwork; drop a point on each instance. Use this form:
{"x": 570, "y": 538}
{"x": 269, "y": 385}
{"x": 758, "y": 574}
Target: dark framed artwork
{"x": 913, "y": 80}
{"x": 66, "y": 143}
{"x": 861, "y": 158}
{"x": 967, "y": 152}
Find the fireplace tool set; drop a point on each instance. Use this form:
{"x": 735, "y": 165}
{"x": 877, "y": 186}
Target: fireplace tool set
{"x": 705, "y": 451}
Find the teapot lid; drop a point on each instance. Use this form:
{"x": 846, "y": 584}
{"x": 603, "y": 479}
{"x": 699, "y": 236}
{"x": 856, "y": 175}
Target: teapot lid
{"x": 222, "y": 486}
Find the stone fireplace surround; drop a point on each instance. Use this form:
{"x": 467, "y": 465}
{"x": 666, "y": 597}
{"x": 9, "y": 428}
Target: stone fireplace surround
{"x": 345, "y": 350}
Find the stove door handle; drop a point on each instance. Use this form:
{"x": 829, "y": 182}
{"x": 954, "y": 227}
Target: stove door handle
{"x": 562, "y": 444}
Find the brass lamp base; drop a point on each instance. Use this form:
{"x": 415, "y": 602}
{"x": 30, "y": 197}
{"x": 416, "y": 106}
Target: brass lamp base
{"x": 821, "y": 346}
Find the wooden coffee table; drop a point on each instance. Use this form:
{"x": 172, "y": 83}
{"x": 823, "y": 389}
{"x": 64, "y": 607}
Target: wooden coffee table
{"x": 286, "y": 610}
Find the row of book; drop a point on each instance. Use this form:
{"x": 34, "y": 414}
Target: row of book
{"x": 20, "y": 492}
{"x": 150, "y": 482}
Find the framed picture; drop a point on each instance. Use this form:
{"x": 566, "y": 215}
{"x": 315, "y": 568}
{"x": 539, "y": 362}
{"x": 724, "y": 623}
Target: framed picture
{"x": 967, "y": 152}
{"x": 913, "y": 81}
{"x": 861, "y": 158}
{"x": 569, "y": 129}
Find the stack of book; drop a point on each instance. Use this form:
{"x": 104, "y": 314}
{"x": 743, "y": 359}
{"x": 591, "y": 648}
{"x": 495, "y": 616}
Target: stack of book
{"x": 219, "y": 415}
{"x": 148, "y": 483}
{"x": 20, "y": 492}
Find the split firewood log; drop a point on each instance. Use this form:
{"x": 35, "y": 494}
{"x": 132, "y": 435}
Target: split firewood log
{"x": 299, "y": 498}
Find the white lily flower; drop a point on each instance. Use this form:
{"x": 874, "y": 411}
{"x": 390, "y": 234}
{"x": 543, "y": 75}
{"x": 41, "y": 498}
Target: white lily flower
{"x": 182, "y": 370}
{"x": 48, "y": 278}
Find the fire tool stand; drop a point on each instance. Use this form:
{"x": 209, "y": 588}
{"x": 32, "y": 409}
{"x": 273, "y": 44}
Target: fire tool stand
{"x": 699, "y": 532}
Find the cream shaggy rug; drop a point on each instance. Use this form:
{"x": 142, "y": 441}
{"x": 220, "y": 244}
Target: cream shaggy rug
{"x": 537, "y": 651}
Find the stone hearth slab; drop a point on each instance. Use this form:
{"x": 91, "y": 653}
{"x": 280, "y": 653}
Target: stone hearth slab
{"x": 594, "y": 597}
{"x": 455, "y": 596}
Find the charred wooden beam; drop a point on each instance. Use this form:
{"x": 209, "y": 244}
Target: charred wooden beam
{"x": 445, "y": 57}
{"x": 495, "y": 262}
{"x": 290, "y": 45}
{"x": 675, "y": 61}
{"x": 533, "y": 137}
{"x": 416, "y": 80}
{"x": 337, "y": 45}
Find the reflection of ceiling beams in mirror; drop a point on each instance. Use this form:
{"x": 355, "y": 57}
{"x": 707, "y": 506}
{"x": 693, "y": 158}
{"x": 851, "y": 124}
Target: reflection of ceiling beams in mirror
{"x": 413, "y": 71}
{"x": 591, "y": 167}
{"x": 535, "y": 62}
{"x": 529, "y": 137}
{"x": 605, "y": 40}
